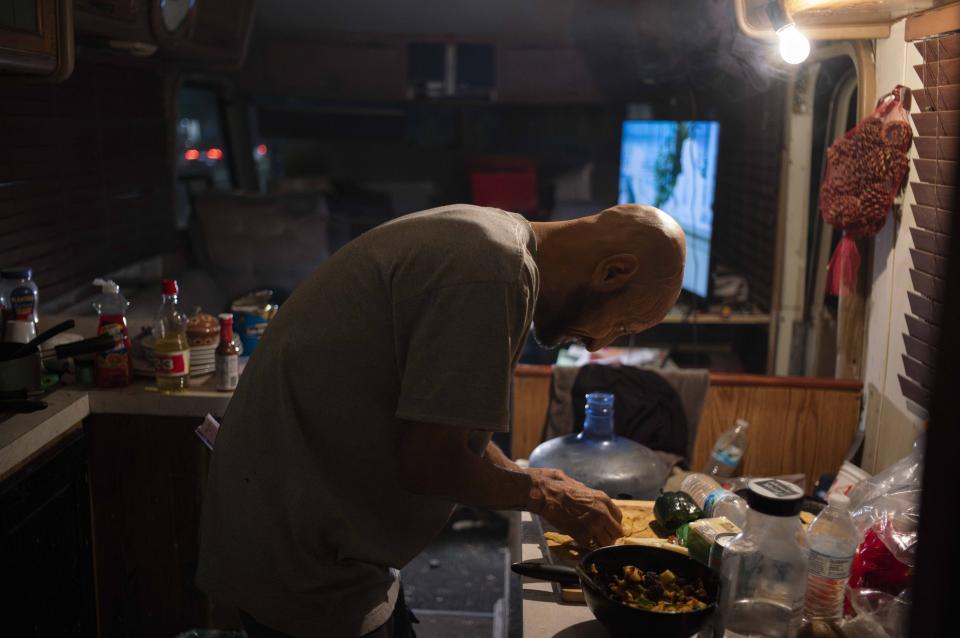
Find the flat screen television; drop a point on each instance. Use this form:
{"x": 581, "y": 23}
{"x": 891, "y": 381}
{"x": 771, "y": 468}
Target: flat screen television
{"x": 673, "y": 166}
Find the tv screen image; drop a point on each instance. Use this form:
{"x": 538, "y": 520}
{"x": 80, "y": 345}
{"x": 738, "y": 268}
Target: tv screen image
{"x": 673, "y": 166}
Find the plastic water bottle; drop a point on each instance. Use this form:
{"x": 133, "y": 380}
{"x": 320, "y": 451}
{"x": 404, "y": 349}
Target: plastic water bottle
{"x": 832, "y": 539}
{"x": 764, "y": 570}
{"x": 728, "y": 451}
{"x": 713, "y": 499}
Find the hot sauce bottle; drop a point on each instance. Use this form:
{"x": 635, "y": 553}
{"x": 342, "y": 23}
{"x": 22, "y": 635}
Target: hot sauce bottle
{"x": 228, "y": 356}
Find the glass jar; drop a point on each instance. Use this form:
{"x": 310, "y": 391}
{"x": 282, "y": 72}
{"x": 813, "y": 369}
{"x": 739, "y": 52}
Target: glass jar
{"x": 600, "y": 459}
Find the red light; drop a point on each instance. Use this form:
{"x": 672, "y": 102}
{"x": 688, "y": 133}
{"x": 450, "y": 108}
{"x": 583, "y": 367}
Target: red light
{"x": 192, "y": 154}
{"x": 261, "y": 149}
{"x": 215, "y": 154}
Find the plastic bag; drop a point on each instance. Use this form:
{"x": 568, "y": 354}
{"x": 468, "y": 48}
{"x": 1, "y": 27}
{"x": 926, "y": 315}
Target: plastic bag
{"x": 878, "y": 614}
{"x": 865, "y": 170}
{"x": 889, "y": 505}
{"x": 886, "y": 511}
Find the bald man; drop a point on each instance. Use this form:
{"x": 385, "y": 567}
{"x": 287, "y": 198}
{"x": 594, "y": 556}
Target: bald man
{"x": 366, "y": 412}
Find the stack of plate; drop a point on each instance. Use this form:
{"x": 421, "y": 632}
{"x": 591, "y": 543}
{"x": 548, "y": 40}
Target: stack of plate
{"x": 202, "y": 360}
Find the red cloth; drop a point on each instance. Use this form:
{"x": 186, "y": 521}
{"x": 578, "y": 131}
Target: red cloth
{"x": 843, "y": 267}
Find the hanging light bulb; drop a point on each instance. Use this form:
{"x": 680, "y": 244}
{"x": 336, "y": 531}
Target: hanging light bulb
{"x": 794, "y": 46}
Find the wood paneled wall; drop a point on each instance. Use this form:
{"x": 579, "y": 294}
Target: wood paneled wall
{"x": 86, "y": 171}
{"x": 793, "y": 428}
{"x": 797, "y": 425}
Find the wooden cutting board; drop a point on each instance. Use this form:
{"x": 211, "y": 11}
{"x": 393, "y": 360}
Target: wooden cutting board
{"x": 637, "y": 517}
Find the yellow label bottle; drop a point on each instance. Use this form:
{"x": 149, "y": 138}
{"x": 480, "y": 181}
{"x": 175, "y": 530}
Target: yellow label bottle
{"x": 170, "y": 343}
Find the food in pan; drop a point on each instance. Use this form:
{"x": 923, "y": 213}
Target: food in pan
{"x": 663, "y": 592}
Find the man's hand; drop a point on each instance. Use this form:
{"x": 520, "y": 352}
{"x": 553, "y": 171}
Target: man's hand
{"x": 437, "y": 460}
{"x": 573, "y": 508}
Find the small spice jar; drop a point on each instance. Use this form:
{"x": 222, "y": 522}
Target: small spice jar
{"x": 203, "y": 329}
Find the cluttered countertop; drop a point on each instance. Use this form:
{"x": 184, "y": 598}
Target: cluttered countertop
{"x": 798, "y": 566}
{"x": 46, "y": 393}
{"x": 880, "y": 514}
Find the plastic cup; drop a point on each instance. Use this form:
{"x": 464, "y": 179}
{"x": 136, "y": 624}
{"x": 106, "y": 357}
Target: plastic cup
{"x": 847, "y": 478}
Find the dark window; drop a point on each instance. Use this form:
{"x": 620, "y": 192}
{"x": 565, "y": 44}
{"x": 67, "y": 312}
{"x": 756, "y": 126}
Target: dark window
{"x": 19, "y": 14}
{"x": 202, "y": 152}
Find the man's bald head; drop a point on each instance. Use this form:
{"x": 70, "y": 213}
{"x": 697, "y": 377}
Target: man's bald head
{"x": 619, "y": 271}
{"x": 658, "y": 242}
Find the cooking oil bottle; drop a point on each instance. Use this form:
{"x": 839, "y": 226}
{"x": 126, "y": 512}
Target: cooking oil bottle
{"x": 170, "y": 342}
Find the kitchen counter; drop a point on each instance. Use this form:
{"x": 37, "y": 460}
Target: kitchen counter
{"x": 23, "y": 436}
{"x": 544, "y": 615}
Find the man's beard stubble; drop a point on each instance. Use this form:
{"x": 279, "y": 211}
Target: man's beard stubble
{"x": 554, "y": 327}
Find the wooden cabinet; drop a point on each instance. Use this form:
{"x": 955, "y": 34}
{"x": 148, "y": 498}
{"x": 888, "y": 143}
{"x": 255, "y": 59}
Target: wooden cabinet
{"x": 146, "y": 481}
{"x": 36, "y": 38}
{"x": 45, "y": 546}
{"x": 207, "y": 33}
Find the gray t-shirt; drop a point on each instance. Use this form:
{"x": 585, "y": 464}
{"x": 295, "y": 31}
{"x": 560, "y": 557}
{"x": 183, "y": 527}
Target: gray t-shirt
{"x": 421, "y": 319}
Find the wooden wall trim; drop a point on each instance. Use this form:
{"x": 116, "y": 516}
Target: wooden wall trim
{"x": 759, "y": 380}
{"x": 852, "y": 307}
{"x": 735, "y": 379}
{"x": 527, "y": 370}
{"x": 934, "y": 22}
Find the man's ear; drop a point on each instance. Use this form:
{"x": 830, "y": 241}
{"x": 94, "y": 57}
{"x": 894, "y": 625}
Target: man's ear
{"x": 614, "y": 272}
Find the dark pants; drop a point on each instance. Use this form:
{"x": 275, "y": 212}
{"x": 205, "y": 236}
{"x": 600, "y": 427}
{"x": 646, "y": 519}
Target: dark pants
{"x": 399, "y": 625}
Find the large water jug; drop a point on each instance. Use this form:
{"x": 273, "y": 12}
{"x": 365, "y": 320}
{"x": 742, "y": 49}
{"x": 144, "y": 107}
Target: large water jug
{"x": 602, "y": 460}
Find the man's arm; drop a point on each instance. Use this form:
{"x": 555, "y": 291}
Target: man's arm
{"x": 495, "y": 455}
{"x": 436, "y": 460}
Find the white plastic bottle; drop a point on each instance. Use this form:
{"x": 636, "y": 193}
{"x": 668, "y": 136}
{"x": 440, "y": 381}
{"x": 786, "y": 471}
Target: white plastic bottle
{"x": 113, "y": 367}
{"x": 728, "y": 451}
{"x": 713, "y": 499}
{"x": 832, "y": 539}
{"x": 764, "y": 567}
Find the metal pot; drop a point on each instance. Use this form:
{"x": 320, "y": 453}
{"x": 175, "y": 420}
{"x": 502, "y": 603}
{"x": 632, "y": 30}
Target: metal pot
{"x": 23, "y": 373}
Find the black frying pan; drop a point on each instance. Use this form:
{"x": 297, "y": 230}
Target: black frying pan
{"x": 622, "y": 620}
{"x": 46, "y": 335}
